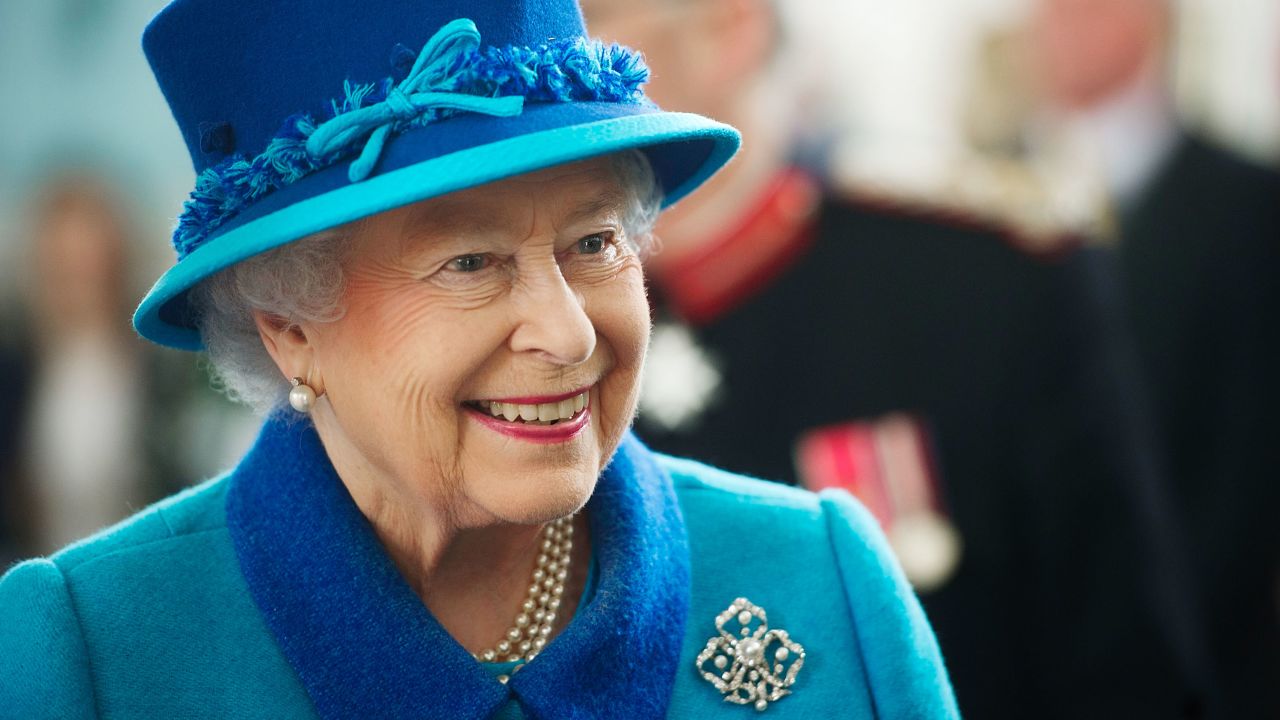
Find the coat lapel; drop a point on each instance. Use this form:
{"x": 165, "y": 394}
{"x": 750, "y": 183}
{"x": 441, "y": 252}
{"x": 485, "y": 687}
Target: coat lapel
{"x": 363, "y": 644}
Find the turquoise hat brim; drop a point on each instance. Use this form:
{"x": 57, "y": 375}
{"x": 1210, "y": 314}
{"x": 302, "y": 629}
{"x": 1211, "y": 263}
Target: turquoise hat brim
{"x": 686, "y": 150}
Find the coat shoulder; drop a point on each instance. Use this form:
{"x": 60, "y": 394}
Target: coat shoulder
{"x": 741, "y": 498}
{"x": 166, "y": 580}
{"x": 50, "y": 661}
{"x": 693, "y": 477}
{"x": 821, "y": 568}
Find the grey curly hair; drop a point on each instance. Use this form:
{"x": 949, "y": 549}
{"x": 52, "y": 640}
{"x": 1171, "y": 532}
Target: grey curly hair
{"x": 303, "y": 282}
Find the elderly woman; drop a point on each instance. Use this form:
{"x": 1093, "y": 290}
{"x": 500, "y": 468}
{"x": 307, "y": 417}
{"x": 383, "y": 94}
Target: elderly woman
{"x": 432, "y": 286}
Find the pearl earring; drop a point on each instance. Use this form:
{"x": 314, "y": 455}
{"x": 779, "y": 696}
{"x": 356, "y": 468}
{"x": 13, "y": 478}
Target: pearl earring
{"x": 302, "y": 397}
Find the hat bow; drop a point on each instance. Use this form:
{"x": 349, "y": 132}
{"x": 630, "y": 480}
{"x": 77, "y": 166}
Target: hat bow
{"x": 427, "y": 87}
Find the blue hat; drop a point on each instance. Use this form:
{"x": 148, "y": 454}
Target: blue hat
{"x": 302, "y": 116}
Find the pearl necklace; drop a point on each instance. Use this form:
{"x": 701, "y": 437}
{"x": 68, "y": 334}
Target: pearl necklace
{"x": 526, "y": 638}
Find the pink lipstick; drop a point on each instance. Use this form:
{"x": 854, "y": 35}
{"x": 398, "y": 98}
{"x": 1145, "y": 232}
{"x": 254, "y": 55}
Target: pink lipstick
{"x": 540, "y": 419}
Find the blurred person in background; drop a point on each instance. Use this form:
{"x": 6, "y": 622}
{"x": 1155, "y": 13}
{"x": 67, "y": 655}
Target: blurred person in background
{"x": 1199, "y": 256}
{"x": 83, "y": 420}
{"x": 92, "y": 417}
{"x": 964, "y": 388}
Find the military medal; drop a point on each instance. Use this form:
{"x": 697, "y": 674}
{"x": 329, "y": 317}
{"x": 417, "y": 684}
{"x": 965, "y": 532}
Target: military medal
{"x": 928, "y": 547}
{"x": 749, "y": 663}
{"x": 886, "y": 464}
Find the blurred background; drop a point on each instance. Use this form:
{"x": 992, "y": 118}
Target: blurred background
{"x": 1048, "y": 118}
{"x": 94, "y": 422}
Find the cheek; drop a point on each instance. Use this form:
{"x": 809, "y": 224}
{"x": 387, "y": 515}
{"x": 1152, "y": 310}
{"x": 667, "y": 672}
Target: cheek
{"x": 400, "y": 356}
{"x": 410, "y": 329}
{"x": 620, "y": 313}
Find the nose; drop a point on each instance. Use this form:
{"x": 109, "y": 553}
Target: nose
{"x": 553, "y": 320}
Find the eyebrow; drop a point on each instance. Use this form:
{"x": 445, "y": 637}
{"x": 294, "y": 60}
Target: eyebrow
{"x": 608, "y": 200}
{"x": 446, "y": 220}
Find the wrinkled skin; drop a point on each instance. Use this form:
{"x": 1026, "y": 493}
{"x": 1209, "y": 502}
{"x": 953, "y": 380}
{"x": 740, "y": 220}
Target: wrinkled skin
{"x": 523, "y": 287}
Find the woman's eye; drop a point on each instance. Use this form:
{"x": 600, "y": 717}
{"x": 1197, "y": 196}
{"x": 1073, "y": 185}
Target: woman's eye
{"x": 469, "y": 263}
{"x": 592, "y": 244}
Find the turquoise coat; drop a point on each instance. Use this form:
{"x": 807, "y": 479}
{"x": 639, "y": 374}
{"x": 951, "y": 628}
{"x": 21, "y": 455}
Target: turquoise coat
{"x": 264, "y": 594}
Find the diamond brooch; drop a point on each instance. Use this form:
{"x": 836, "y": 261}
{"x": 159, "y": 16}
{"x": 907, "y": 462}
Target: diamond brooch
{"x": 746, "y": 661}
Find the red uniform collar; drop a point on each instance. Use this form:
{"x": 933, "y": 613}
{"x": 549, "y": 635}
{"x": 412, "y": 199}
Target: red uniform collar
{"x": 729, "y": 270}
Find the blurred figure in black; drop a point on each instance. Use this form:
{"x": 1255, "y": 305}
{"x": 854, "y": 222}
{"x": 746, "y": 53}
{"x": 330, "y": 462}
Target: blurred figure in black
{"x": 1199, "y": 252}
{"x": 81, "y": 427}
{"x": 966, "y": 389}
{"x": 84, "y": 398}
{"x": 15, "y": 382}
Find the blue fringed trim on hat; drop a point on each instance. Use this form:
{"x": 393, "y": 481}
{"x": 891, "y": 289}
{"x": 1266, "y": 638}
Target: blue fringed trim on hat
{"x": 452, "y": 75}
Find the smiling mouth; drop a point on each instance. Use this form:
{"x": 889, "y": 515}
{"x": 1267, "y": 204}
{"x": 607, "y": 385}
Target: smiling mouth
{"x": 544, "y": 413}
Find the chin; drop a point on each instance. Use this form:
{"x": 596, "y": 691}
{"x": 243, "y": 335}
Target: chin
{"x": 536, "y": 495}
{"x": 524, "y": 481}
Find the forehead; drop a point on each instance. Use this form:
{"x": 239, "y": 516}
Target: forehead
{"x": 564, "y": 193}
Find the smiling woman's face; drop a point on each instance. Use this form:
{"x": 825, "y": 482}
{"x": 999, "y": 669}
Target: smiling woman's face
{"x": 469, "y": 315}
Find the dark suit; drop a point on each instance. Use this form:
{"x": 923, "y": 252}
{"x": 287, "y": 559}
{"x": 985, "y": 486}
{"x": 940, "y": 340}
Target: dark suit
{"x": 16, "y": 379}
{"x": 1060, "y": 606}
{"x": 1200, "y": 251}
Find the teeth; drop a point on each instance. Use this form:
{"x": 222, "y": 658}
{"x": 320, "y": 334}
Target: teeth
{"x": 540, "y": 413}
{"x": 548, "y": 412}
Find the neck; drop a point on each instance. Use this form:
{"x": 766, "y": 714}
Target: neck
{"x": 471, "y": 570}
{"x": 1126, "y": 136}
{"x": 699, "y": 219}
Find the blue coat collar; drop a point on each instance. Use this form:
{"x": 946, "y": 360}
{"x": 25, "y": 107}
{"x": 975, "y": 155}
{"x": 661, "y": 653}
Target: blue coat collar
{"x": 364, "y": 645}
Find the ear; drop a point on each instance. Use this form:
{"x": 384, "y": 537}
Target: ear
{"x": 742, "y": 38}
{"x": 288, "y": 345}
